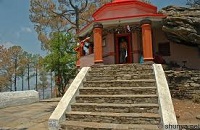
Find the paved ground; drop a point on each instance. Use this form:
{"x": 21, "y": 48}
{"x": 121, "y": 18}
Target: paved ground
{"x": 27, "y": 117}
{"x": 187, "y": 112}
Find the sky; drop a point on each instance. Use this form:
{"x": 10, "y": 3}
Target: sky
{"x": 17, "y": 29}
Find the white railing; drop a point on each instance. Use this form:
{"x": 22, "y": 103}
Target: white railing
{"x": 168, "y": 116}
{"x": 64, "y": 105}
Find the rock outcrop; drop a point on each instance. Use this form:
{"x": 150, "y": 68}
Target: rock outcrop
{"x": 182, "y": 25}
{"x": 184, "y": 84}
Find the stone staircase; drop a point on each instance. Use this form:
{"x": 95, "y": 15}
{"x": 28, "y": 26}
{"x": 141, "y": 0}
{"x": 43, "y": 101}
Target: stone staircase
{"x": 116, "y": 97}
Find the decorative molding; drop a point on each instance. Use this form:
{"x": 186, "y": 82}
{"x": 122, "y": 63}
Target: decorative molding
{"x": 97, "y": 25}
{"x": 122, "y": 29}
{"x": 145, "y": 21}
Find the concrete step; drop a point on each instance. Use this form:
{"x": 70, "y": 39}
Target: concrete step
{"x": 117, "y": 118}
{"x": 121, "y": 67}
{"x": 120, "y": 83}
{"x": 119, "y": 72}
{"x": 79, "y": 125}
{"x": 117, "y": 108}
{"x": 117, "y": 90}
{"x": 94, "y": 76}
{"x": 122, "y": 99}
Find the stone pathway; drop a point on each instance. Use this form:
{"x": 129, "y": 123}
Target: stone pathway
{"x": 28, "y": 117}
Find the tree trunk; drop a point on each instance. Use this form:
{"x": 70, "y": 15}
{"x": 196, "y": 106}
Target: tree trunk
{"x": 28, "y": 77}
{"x": 36, "y": 88}
{"x": 43, "y": 92}
{"x": 11, "y": 84}
{"x": 15, "y": 83}
{"x": 51, "y": 84}
{"x": 23, "y": 83}
{"x": 77, "y": 19}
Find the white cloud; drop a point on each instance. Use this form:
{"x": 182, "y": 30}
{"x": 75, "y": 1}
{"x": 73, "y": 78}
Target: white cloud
{"x": 7, "y": 44}
{"x": 26, "y": 29}
{"x": 22, "y": 31}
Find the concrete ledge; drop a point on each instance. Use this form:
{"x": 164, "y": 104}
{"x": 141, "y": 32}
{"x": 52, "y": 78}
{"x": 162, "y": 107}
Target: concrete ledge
{"x": 10, "y": 99}
{"x": 165, "y": 101}
{"x": 65, "y": 103}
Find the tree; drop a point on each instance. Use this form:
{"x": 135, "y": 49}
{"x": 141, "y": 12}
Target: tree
{"x": 36, "y": 60}
{"x": 16, "y": 52}
{"x": 43, "y": 79}
{"x": 61, "y": 16}
{"x": 193, "y": 3}
{"x": 14, "y": 63}
{"x": 29, "y": 66}
{"x": 22, "y": 68}
{"x": 6, "y": 69}
{"x": 9, "y": 66}
{"x": 61, "y": 60}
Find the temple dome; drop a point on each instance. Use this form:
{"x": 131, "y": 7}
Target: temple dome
{"x": 120, "y": 9}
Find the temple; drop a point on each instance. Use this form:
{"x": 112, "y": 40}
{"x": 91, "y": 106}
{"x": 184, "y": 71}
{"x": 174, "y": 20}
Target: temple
{"x": 124, "y": 31}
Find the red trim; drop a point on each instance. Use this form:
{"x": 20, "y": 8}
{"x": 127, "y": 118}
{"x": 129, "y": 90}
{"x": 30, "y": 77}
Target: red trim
{"x": 135, "y": 16}
{"x": 149, "y": 6}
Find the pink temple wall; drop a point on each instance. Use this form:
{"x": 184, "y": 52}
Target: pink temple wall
{"x": 181, "y": 53}
{"x": 178, "y": 52}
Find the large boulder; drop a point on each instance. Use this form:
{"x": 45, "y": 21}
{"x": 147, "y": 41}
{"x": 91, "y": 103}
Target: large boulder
{"x": 182, "y": 25}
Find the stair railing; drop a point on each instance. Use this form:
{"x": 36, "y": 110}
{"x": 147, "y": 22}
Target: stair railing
{"x": 168, "y": 116}
{"x": 64, "y": 105}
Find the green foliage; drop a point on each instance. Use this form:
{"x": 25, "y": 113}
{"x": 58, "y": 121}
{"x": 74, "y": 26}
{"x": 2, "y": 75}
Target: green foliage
{"x": 61, "y": 59}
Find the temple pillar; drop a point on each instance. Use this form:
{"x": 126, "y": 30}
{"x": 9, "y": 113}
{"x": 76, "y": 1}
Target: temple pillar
{"x": 97, "y": 31}
{"x": 147, "y": 40}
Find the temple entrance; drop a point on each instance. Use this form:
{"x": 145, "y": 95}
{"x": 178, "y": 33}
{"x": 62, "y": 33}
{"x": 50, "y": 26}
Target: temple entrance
{"x": 123, "y": 48}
